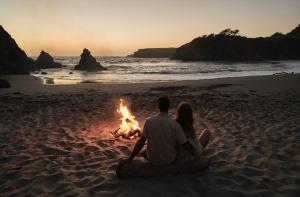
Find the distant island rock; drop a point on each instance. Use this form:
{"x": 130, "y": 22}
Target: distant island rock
{"x": 154, "y": 53}
{"x": 13, "y": 60}
{"x": 228, "y": 45}
{"x": 45, "y": 60}
{"x": 88, "y": 62}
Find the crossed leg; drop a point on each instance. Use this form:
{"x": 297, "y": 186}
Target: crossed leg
{"x": 204, "y": 137}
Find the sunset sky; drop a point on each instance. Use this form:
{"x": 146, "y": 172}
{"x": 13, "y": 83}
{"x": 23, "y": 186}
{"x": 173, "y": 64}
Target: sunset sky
{"x": 119, "y": 27}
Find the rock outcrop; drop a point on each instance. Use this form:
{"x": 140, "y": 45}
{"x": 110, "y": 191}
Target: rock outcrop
{"x": 154, "y": 53}
{"x": 88, "y": 62}
{"x": 46, "y": 61}
{"x": 4, "y": 84}
{"x": 13, "y": 60}
{"x": 228, "y": 45}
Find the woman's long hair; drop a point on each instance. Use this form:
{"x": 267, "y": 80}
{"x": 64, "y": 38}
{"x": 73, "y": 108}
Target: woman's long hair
{"x": 184, "y": 116}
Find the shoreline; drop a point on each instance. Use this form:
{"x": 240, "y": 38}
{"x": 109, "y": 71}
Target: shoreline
{"x": 28, "y": 84}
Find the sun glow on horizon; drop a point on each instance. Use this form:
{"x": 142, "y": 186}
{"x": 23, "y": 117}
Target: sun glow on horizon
{"x": 118, "y": 27}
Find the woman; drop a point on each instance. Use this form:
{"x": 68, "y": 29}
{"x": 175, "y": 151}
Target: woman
{"x": 184, "y": 116}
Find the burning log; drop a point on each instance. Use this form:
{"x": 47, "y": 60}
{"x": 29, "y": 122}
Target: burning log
{"x": 129, "y": 126}
{"x": 130, "y": 135}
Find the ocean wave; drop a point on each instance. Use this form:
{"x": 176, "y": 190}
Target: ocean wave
{"x": 122, "y": 61}
{"x": 186, "y": 72}
{"x": 114, "y": 66}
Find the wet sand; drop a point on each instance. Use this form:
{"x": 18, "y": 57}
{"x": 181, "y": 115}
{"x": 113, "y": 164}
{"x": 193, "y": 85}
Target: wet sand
{"x": 55, "y": 140}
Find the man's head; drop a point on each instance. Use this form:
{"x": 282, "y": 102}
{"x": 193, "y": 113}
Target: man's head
{"x": 163, "y": 104}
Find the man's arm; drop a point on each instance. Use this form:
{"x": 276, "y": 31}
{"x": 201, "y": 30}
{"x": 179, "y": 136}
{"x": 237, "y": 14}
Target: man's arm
{"x": 139, "y": 144}
{"x": 137, "y": 147}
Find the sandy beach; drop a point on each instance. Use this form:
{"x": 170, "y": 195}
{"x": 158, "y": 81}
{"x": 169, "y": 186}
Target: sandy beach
{"x": 56, "y": 141}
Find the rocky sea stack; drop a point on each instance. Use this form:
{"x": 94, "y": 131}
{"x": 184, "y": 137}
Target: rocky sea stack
{"x": 13, "y": 60}
{"x": 46, "y": 61}
{"x": 88, "y": 62}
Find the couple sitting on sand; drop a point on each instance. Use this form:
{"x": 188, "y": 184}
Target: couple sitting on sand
{"x": 170, "y": 141}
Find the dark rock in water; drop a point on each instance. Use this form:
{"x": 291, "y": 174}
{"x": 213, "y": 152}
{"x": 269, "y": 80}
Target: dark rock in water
{"x": 4, "y": 84}
{"x": 46, "y": 61}
{"x": 88, "y": 62}
{"x": 13, "y": 60}
{"x": 88, "y": 81}
{"x": 228, "y": 45}
{"x": 154, "y": 53}
{"x": 70, "y": 73}
{"x": 44, "y": 73}
{"x": 49, "y": 81}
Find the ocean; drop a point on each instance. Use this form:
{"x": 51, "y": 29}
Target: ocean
{"x": 145, "y": 70}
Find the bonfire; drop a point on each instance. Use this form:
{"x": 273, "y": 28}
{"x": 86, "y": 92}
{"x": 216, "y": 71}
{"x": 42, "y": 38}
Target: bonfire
{"x": 129, "y": 127}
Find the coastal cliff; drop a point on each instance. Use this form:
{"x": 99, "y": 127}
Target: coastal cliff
{"x": 13, "y": 60}
{"x": 154, "y": 53}
{"x": 228, "y": 45}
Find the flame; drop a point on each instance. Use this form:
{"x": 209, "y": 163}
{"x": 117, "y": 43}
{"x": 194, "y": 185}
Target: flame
{"x": 128, "y": 122}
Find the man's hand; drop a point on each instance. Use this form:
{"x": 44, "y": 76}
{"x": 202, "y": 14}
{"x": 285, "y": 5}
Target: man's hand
{"x": 125, "y": 161}
{"x": 119, "y": 170}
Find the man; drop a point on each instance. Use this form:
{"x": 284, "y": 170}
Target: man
{"x": 162, "y": 134}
